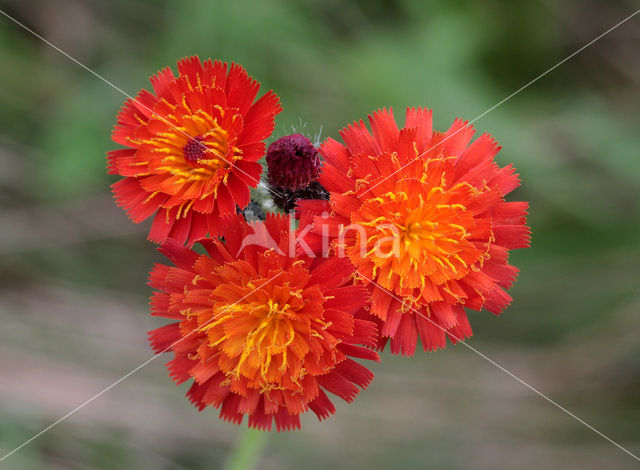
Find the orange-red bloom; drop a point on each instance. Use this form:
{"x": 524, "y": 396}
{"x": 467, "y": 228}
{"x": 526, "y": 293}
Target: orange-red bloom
{"x": 422, "y": 217}
{"x": 261, "y": 333}
{"x": 192, "y": 148}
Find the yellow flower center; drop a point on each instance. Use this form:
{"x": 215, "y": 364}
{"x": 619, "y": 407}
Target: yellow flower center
{"x": 188, "y": 152}
{"x": 265, "y": 337}
{"x": 195, "y": 152}
{"x": 413, "y": 236}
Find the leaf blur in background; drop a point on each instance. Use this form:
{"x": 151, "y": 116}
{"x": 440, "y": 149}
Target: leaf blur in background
{"x": 73, "y": 303}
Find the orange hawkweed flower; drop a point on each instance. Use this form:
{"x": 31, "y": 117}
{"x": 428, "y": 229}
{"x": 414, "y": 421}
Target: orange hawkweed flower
{"x": 192, "y": 148}
{"x": 261, "y": 333}
{"x": 422, "y": 217}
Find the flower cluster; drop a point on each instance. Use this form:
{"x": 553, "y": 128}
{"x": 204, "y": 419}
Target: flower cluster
{"x": 396, "y": 232}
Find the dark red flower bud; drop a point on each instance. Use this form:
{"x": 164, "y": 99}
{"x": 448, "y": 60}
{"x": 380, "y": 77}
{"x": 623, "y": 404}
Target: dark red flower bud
{"x": 293, "y": 162}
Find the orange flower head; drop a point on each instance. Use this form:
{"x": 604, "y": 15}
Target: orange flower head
{"x": 192, "y": 148}
{"x": 422, "y": 217}
{"x": 262, "y": 333}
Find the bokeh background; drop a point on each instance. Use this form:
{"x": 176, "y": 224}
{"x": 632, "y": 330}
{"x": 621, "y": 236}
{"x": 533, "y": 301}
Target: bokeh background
{"x": 73, "y": 313}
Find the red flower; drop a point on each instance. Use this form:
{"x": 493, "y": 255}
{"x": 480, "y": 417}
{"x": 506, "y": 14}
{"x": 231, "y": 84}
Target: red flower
{"x": 261, "y": 333}
{"x": 192, "y": 148}
{"x": 422, "y": 217}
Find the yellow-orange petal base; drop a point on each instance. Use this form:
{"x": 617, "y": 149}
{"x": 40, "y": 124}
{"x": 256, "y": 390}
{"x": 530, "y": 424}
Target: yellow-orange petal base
{"x": 192, "y": 148}
{"x": 261, "y": 333}
{"x": 422, "y": 217}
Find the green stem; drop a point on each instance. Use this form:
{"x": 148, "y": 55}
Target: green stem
{"x": 246, "y": 453}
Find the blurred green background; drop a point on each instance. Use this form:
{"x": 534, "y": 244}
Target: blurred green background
{"x": 73, "y": 311}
